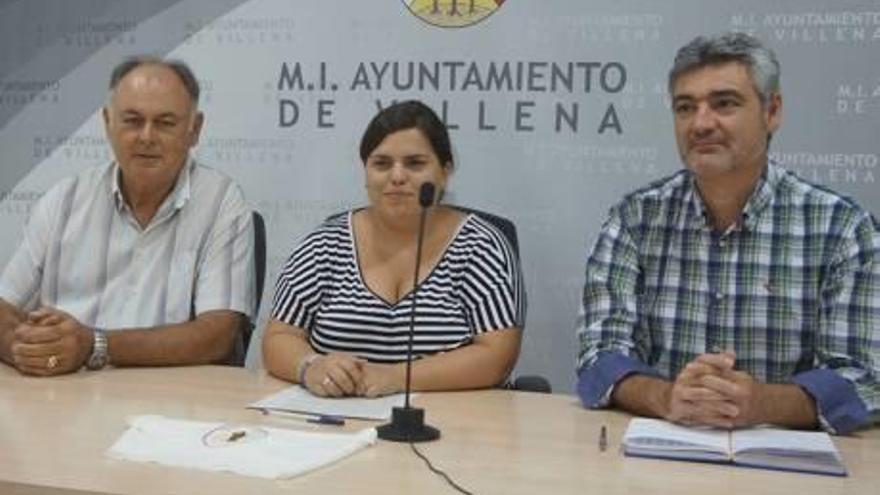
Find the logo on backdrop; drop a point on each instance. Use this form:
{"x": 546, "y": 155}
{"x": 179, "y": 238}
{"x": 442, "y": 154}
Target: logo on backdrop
{"x": 830, "y": 168}
{"x": 453, "y": 13}
{"x": 857, "y": 97}
{"x": 841, "y": 27}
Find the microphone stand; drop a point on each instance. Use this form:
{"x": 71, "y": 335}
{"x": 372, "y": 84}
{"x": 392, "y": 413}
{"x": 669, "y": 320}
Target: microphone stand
{"x": 408, "y": 423}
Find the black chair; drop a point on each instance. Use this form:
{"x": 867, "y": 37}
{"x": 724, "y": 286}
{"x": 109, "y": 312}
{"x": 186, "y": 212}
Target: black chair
{"x": 241, "y": 346}
{"x": 504, "y": 225}
{"x": 525, "y": 383}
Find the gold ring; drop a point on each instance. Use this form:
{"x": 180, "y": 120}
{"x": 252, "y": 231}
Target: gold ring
{"x": 52, "y": 362}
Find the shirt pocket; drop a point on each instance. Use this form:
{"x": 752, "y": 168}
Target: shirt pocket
{"x": 782, "y": 309}
{"x": 773, "y": 330}
{"x": 180, "y": 305}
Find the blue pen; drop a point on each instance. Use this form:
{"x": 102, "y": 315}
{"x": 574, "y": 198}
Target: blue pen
{"x": 327, "y": 419}
{"x": 317, "y": 419}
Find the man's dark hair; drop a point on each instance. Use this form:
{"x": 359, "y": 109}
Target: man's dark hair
{"x": 738, "y": 47}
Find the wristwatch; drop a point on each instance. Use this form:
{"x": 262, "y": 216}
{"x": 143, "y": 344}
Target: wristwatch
{"x": 99, "y": 357}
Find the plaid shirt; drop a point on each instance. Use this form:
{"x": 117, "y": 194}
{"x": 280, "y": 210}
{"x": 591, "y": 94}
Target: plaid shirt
{"x": 793, "y": 288}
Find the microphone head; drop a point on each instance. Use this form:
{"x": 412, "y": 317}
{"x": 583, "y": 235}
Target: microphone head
{"x": 426, "y": 194}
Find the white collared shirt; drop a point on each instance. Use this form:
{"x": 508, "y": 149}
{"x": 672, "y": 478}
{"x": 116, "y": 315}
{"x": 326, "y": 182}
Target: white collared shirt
{"x": 85, "y": 253}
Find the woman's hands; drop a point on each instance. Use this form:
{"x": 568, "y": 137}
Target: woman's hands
{"x": 383, "y": 379}
{"x": 343, "y": 375}
{"x": 484, "y": 363}
{"x": 334, "y": 375}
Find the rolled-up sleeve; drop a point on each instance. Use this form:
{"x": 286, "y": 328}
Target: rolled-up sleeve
{"x": 840, "y": 408}
{"x": 844, "y": 383}
{"x": 596, "y": 383}
{"x": 608, "y": 315}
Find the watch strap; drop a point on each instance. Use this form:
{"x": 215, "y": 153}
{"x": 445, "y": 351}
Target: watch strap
{"x": 99, "y": 357}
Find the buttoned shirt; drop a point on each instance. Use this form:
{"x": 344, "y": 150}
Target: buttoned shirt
{"x": 84, "y": 252}
{"x": 792, "y": 287}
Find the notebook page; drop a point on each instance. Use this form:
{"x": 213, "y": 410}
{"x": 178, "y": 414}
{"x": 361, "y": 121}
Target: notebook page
{"x": 782, "y": 440}
{"x": 812, "y": 452}
{"x": 646, "y": 433}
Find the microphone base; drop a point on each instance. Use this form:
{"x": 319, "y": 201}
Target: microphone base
{"x": 407, "y": 425}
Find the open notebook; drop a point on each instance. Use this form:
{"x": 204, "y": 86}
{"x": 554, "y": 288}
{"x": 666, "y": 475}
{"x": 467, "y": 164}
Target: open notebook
{"x": 768, "y": 448}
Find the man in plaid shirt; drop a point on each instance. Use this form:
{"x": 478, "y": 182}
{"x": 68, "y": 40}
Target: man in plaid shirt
{"x": 733, "y": 293}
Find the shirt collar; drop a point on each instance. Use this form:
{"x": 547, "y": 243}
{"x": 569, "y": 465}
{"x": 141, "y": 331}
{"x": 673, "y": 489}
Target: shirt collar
{"x": 177, "y": 198}
{"x": 696, "y": 209}
{"x": 761, "y": 197}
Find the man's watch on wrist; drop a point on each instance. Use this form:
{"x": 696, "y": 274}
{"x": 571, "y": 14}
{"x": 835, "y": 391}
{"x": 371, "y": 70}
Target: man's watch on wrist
{"x": 99, "y": 357}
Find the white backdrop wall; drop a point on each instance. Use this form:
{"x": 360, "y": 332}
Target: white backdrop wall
{"x": 556, "y": 108}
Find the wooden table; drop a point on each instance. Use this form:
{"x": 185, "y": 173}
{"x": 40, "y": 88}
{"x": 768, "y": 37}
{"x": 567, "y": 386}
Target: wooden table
{"x": 54, "y": 431}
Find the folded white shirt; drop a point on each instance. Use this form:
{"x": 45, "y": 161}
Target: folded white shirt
{"x": 243, "y": 449}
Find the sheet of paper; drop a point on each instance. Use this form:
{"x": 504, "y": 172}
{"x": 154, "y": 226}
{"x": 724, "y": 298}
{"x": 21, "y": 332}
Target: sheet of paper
{"x": 299, "y": 400}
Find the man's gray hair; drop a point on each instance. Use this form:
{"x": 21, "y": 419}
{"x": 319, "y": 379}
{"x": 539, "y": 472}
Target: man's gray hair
{"x": 177, "y": 66}
{"x": 744, "y": 48}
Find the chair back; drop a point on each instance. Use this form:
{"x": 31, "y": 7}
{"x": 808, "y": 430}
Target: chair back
{"x": 241, "y": 346}
{"x": 259, "y": 257}
{"x": 504, "y": 225}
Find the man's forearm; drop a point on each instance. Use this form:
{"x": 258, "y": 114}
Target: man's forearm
{"x": 785, "y": 405}
{"x": 643, "y": 395}
{"x": 210, "y": 338}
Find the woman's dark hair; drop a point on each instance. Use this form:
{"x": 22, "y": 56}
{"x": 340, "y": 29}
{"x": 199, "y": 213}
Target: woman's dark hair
{"x": 408, "y": 115}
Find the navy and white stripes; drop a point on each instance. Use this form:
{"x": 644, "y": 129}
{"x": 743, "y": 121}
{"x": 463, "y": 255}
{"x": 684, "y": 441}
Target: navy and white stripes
{"x": 476, "y": 287}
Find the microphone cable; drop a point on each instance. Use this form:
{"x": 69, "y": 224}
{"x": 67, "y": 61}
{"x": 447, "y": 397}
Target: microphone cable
{"x": 439, "y": 472}
{"x": 426, "y": 199}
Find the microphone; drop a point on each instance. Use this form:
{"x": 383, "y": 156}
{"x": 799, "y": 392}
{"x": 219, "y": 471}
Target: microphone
{"x": 426, "y": 199}
{"x": 408, "y": 423}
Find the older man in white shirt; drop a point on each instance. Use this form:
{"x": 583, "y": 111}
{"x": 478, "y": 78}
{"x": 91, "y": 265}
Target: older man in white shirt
{"x": 146, "y": 261}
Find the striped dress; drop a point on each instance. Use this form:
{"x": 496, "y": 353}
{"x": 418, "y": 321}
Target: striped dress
{"x": 476, "y": 287}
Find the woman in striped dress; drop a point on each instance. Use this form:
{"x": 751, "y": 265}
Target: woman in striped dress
{"x": 340, "y": 317}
